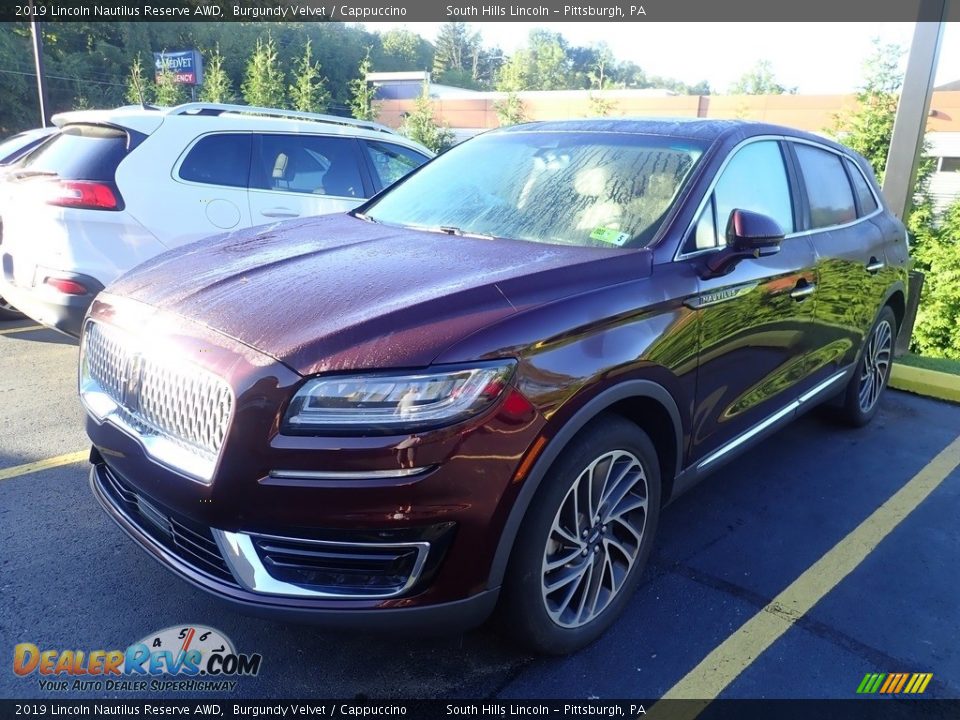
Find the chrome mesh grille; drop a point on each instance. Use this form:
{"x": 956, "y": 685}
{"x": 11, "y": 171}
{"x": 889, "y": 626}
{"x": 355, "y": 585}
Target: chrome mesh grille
{"x": 192, "y": 407}
{"x": 105, "y": 359}
{"x": 157, "y": 395}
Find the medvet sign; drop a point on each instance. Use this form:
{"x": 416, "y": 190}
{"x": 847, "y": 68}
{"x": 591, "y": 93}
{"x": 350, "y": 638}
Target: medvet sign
{"x": 186, "y": 65}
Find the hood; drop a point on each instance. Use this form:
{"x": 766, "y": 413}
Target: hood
{"x": 336, "y": 292}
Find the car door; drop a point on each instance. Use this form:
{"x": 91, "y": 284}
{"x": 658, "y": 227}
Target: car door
{"x": 209, "y": 191}
{"x": 389, "y": 161}
{"x": 853, "y": 277}
{"x": 298, "y": 175}
{"x": 755, "y": 321}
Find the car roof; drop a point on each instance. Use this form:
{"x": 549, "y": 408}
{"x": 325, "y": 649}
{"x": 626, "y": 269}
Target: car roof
{"x": 211, "y": 116}
{"x": 704, "y": 129}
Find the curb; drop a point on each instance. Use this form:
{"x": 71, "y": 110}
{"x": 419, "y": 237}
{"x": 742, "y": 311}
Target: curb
{"x": 921, "y": 381}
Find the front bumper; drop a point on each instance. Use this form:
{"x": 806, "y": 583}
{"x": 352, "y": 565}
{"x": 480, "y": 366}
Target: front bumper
{"x": 207, "y": 564}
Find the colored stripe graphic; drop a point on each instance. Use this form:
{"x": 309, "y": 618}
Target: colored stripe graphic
{"x": 894, "y": 683}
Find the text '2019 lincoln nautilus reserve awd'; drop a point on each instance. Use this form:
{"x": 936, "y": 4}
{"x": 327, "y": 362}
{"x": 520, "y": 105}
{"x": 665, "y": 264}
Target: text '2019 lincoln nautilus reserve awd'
{"x": 478, "y": 390}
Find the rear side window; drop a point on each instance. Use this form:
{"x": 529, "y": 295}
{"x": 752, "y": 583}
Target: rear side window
{"x": 222, "y": 159}
{"x": 828, "y": 189}
{"x": 868, "y": 203}
{"x": 756, "y": 180}
{"x": 81, "y": 152}
{"x": 309, "y": 164}
{"x": 391, "y": 162}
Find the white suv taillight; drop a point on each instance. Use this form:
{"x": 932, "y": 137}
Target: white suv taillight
{"x": 82, "y": 194}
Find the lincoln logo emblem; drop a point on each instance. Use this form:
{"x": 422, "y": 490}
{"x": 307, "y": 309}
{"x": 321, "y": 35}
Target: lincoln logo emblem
{"x": 130, "y": 382}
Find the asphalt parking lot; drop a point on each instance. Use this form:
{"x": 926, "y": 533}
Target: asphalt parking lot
{"x": 730, "y": 606}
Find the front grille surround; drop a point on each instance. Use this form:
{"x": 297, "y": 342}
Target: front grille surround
{"x": 179, "y": 412}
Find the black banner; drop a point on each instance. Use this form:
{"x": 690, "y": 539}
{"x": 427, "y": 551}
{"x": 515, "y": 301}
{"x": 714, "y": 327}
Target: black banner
{"x": 875, "y": 709}
{"x": 371, "y": 11}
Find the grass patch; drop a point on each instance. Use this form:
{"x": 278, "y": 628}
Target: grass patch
{"x": 929, "y": 363}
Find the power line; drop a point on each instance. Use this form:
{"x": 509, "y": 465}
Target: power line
{"x": 61, "y": 77}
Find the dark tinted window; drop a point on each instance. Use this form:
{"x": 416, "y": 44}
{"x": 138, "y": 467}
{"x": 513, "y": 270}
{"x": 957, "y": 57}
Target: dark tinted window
{"x": 828, "y": 190}
{"x": 391, "y": 162}
{"x": 868, "y": 203}
{"x": 756, "y": 180}
{"x": 219, "y": 160}
{"x": 81, "y": 152}
{"x": 309, "y": 164}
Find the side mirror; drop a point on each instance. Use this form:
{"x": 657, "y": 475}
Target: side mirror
{"x": 749, "y": 235}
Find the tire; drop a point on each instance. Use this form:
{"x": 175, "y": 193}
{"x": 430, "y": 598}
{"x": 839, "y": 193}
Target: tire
{"x": 8, "y": 311}
{"x": 603, "y": 568}
{"x": 861, "y": 398}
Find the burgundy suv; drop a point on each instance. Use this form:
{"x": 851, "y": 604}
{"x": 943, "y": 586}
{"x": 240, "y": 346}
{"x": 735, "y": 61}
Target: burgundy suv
{"x": 480, "y": 388}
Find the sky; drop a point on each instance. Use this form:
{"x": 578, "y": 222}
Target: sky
{"x": 816, "y": 58}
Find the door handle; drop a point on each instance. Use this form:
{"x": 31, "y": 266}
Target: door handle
{"x": 801, "y": 292}
{"x": 280, "y": 212}
{"x": 875, "y": 265}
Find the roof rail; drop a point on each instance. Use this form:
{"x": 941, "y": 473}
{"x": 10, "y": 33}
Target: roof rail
{"x": 214, "y": 109}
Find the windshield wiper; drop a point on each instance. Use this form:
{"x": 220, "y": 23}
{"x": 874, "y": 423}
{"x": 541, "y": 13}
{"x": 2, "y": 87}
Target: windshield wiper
{"x": 33, "y": 173}
{"x": 364, "y": 216}
{"x": 451, "y": 230}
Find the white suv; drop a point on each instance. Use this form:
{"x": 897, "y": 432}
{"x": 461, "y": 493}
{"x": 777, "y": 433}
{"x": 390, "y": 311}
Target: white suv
{"x": 117, "y": 187}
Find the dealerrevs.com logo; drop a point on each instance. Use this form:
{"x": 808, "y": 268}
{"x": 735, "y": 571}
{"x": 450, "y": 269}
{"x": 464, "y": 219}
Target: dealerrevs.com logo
{"x": 199, "y": 657}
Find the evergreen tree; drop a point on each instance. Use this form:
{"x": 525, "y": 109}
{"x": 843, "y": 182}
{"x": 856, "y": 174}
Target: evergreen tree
{"x": 362, "y": 93}
{"x": 263, "y": 84}
{"x": 308, "y": 92}
{"x": 453, "y": 49}
{"x": 216, "y": 86}
{"x": 510, "y": 110}
{"x": 139, "y": 89}
{"x": 167, "y": 91}
{"x": 420, "y": 126}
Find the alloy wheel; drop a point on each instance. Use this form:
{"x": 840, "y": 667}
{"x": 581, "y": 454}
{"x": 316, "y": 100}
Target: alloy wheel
{"x": 595, "y": 539}
{"x": 876, "y": 363}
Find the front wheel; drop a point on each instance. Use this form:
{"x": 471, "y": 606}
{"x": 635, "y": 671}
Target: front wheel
{"x": 583, "y": 546}
{"x": 862, "y": 396}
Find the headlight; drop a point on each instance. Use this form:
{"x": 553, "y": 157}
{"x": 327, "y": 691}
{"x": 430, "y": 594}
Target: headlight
{"x": 384, "y": 403}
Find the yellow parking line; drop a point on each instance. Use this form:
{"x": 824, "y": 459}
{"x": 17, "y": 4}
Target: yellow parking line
{"x": 18, "y": 470}
{"x": 28, "y": 328}
{"x": 722, "y": 666}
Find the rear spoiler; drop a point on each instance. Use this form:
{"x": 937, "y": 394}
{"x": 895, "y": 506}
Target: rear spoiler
{"x": 132, "y": 117}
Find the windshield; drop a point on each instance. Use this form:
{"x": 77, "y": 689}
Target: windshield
{"x": 588, "y": 189}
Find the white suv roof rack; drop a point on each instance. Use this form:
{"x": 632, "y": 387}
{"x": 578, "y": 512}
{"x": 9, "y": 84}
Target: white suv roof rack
{"x": 202, "y": 108}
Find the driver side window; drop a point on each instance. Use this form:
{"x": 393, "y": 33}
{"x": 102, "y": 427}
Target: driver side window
{"x": 755, "y": 179}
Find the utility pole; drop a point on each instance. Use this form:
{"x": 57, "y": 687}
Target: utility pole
{"x": 914, "y": 107}
{"x": 38, "y": 65}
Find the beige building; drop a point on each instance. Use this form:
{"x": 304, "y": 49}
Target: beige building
{"x": 468, "y": 112}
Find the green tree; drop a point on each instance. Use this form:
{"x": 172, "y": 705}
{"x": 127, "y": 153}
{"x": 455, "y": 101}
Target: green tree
{"x": 867, "y": 129}
{"x": 454, "y": 49}
{"x": 362, "y": 93}
{"x": 869, "y": 126}
{"x": 510, "y": 110}
{"x": 600, "y": 106}
{"x": 420, "y": 125}
{"x": 937, "y": 330}
{"x": 168, "y": 91}
{"x": 139, "y": 88}
{"x": 263, "y": 84}
{"x": 760, "y": 80}
{"x": 308, "y": 92}
{"x": 402, "y": 49}
{"x": 216, "y": 87}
